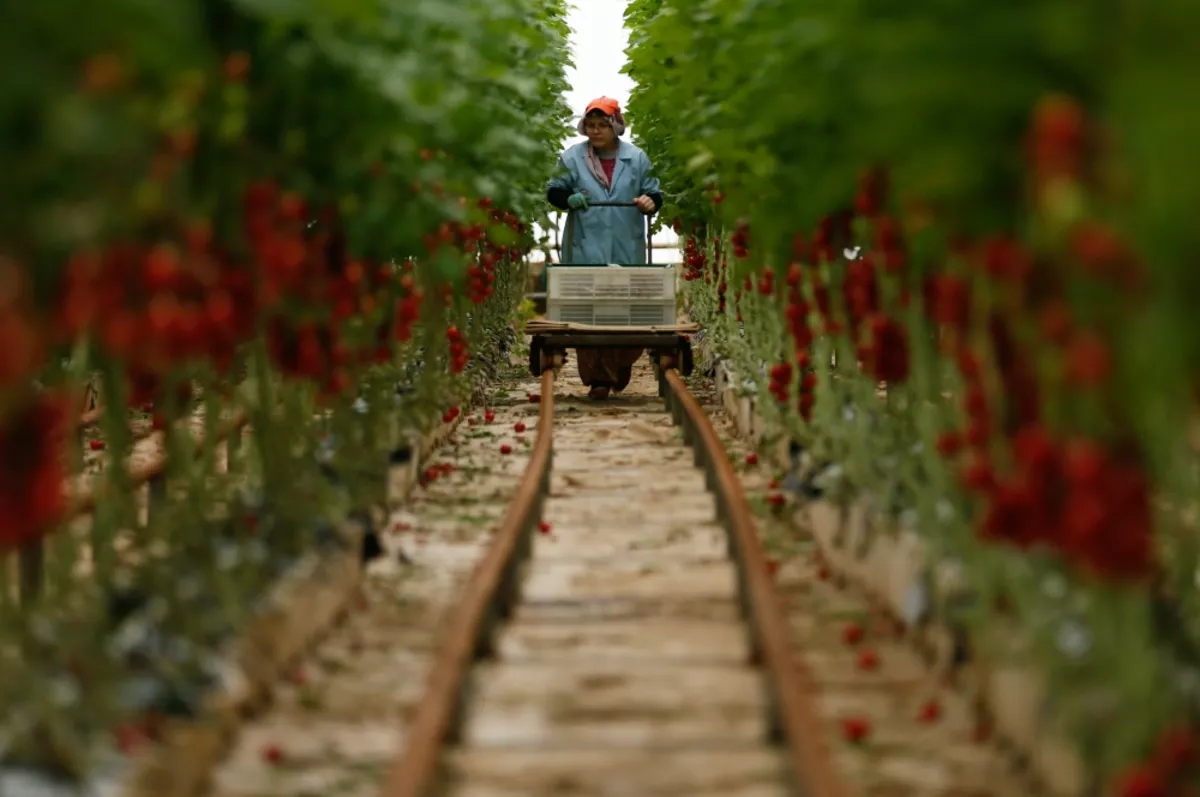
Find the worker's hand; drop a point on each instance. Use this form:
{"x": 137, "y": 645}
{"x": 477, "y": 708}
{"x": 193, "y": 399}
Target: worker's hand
{"x": 577, "y": 201}
{"x": 644, "y": 204}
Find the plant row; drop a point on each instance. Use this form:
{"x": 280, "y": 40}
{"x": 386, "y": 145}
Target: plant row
{"x": 952, "y": 249}
{"x": 313, "y": 213}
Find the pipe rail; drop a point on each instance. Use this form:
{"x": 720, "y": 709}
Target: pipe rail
{"x": 489, "y": 597}
{"x": 794, "y": 720}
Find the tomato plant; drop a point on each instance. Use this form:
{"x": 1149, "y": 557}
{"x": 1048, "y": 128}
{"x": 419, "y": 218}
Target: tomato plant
{"x": 317, "y": 213}
{"x": 947, "y": 246}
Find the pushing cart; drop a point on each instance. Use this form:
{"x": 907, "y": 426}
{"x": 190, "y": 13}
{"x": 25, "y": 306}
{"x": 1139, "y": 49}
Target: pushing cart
{"x": 599, "y": 305}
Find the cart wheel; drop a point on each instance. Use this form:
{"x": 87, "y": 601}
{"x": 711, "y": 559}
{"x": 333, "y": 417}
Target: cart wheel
{"x": 535, "y": 356}
{"x": 552, "y": 360}
{"x": 686, "y": 364}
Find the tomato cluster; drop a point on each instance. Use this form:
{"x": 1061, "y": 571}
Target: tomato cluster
{"x": 31, "y": 497}
{"x": 459, "y": 357}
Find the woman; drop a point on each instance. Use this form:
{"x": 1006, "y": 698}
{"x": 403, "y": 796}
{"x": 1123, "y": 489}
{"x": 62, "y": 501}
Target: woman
{"x": 605, "y": 169}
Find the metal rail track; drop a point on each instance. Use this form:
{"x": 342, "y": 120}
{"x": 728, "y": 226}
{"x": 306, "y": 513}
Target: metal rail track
{"x": 493, "y": 591}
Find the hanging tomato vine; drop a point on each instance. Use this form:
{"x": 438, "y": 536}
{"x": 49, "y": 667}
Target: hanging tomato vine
{"x": 978, "y": 209}
{"x": 318, "y": 213}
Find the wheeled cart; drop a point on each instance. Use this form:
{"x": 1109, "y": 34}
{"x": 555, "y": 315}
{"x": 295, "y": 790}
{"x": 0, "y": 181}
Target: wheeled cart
{"x": 596, "y": 306}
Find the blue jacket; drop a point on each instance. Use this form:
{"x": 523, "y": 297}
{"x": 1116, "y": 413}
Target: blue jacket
{"x": 606, "y": 235}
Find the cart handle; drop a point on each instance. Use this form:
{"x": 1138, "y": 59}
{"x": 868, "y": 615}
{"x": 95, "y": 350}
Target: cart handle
{"x": 568, "y": 239}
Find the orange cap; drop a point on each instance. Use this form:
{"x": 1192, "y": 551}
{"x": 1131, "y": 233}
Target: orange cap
{"x": 607, "y": 104}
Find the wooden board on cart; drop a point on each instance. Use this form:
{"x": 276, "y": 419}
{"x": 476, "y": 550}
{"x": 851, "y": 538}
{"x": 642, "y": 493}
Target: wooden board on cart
{"x": 541, "y": 326}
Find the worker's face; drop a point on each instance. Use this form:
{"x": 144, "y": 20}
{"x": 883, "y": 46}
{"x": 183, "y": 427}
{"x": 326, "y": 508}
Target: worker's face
{"x": 599, "y": 132}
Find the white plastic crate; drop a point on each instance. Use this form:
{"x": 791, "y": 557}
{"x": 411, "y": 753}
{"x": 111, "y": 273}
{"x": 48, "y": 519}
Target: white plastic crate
{"x": 612, "y": 312}
{"x": 611, "y": 282}
{"x": 636, "y": 296}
